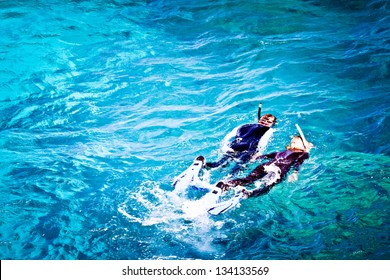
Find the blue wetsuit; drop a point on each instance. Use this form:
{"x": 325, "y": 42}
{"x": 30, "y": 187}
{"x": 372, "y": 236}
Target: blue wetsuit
{"x": 244, "y": 145}
{"x": 248, "y": 137}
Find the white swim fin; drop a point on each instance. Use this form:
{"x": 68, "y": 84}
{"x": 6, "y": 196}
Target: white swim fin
{"x": 224, "y": 206}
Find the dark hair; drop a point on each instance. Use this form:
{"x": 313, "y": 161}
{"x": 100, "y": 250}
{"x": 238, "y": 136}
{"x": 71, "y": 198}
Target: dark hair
{"x": 269, "y": 116}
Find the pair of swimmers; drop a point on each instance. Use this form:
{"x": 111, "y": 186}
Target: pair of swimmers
{"x": 248, "y": 144}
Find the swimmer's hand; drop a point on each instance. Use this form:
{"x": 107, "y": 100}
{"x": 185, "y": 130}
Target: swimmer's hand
{"x": 293, "y": 177}
{"x": 247, "y": 193}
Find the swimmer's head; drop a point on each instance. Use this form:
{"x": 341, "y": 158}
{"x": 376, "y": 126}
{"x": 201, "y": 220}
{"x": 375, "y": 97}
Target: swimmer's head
{"x": 297, "y": 143}
{"x": 267, "y": 120}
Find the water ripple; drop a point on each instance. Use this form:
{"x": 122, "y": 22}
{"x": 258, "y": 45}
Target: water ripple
{"x": 102, "y": 103}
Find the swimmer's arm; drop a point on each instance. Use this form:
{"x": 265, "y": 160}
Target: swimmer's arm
{"x": 294, "y": 176}
{"x": 260, "y": 156}
{"x": 265, "y": 140}
{"x": 300, "y": 161}
{"x": 227, "y": 139}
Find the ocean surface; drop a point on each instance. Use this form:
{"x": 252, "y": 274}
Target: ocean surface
{"x": 103, "y": 103}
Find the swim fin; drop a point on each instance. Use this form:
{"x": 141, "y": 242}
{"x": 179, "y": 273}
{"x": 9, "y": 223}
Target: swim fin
{"x": 188, "y": 177}
{"x": 224, "y": 206}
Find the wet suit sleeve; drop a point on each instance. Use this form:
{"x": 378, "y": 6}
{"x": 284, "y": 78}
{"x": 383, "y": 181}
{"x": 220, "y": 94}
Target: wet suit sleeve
{"x": 300, "y": 160}
{"x": 247, "y": 155}
{"x": 267, "y": 156}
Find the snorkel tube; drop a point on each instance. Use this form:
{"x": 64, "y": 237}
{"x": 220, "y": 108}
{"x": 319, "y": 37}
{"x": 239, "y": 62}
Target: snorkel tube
{"x": 306, "y": 144}
{"x": 259, "y": 112}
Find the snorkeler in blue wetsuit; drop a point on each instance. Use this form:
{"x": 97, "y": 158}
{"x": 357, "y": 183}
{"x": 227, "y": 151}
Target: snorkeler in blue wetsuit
{"x": 248, "y": 140}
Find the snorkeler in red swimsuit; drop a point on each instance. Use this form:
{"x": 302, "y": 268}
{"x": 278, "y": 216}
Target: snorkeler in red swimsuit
{"x": 275, "y": 170}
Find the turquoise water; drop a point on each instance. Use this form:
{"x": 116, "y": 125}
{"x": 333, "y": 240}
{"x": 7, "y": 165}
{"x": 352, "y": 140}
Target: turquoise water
{"x": 103, "y": 103}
